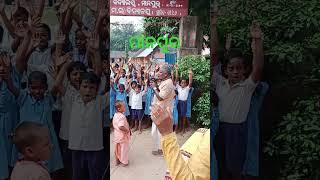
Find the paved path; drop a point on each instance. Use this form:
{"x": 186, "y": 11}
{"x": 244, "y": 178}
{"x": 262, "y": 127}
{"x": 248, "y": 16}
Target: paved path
{"x": 142, "y": 164}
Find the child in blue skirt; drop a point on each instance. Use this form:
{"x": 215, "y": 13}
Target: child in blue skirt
{"x": 121, "y": 95}
{"x": 36, "y": 106}
{"x": 8, "y": 108}
{"x": 175, "y": 111}
{"x": 149, "y": 98}
{"x": 112, "y": 97}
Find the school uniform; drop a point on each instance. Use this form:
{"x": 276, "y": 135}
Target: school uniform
{"x": 112, "y": 108}
{"x": 40, "y": 112}
{"x": 175, "y": 111}
{"x": 130, "y": 99}
{"x": 68, "y": 97}
{"x": 183, "y": 97}
{"x": 86, "y": 137}
{"x": 189, "y": 103}
{"x": 251, "y": 164}
{"x": 41, "y": 61}
{"x": 149, "y": 98}
{"x": 234, "y": 104}
{"x": 77, "y": 57}
{"x": 123, "y": 97}
{"x": 137, "y": 108}
{"x": 8, "y": 120}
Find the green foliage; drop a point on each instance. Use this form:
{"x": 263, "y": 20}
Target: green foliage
{"x": 120, "y": 35}
{"x": 290, "y": 28}
{"x": 296, "y": 140}
{"x": 202, "y": 109}
{"x": 159, "y": 26}
{"x": 201, "y": 83}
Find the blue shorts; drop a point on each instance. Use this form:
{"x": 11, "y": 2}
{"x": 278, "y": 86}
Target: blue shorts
{"x": 137, "y": 114}
{"x": 232, "y": 147}
{"x": 182, "y": 108}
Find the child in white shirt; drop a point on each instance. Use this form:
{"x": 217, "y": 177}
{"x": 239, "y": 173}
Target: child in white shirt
{"x": 137, "y": 108}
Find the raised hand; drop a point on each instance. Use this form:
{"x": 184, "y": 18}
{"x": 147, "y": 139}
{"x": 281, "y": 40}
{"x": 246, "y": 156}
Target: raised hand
{"x": 86, "y": 32}
{"x": 53, "y": 71}
{"x": 67, "y": 58}
{"x": 255, "y": 30}
{"x": 34, "y": 23}
{"x": 60, "y": 38}
{"x": 93, "y": 42}
{"x": 35, "y": 40}
{"x": 162, "y": 118}
{"x": 190, "y": 71}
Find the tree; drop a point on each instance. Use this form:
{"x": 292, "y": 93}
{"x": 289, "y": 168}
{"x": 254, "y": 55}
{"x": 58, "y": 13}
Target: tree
{"x": 158, "y": 26}
{"x": 120, "y": 35}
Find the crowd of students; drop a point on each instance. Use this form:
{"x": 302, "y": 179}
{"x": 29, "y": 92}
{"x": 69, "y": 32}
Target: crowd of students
{"x": 132, "y": 94}
{"x": 59, "y": 87}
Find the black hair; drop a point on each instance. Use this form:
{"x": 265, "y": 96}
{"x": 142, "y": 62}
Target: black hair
{"x": 46, "y": 28}
{"x": 139, "y": 86}
{"x": 21, "y": 12}
{"x": 1, "y": 33}
{"x": 176, "y": 91}
{"x": 80, "y": 30}
{"x": 122, "y": 85}
{"x": 91, "y": 78}
{"x": 117, "y": 65}
{"x": 234, "y": 53}
{"x": 76, "y": 66}
{"x": 38, "y": 76}
{"x": 183, "y": 78}
{"x": 133, "y": 82}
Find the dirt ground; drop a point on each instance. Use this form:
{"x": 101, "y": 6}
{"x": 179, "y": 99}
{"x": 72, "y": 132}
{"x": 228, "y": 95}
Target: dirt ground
{"x": 142, "y": 164}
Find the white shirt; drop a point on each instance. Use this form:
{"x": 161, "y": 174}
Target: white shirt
{"x": 67, "y": 100}
{"x": 234, "y": 101}
{"x": 182, "y": 92}
{"x": 130, "y": 96}
{"x": 41, "y": 61}
{"x": 137, "y": 100}
{"x": 86, "y": 124}
{"x": 122, "y": 80}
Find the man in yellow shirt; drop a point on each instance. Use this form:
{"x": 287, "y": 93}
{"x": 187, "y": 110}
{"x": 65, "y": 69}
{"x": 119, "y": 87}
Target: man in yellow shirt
{"x": 198, "y": 166}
